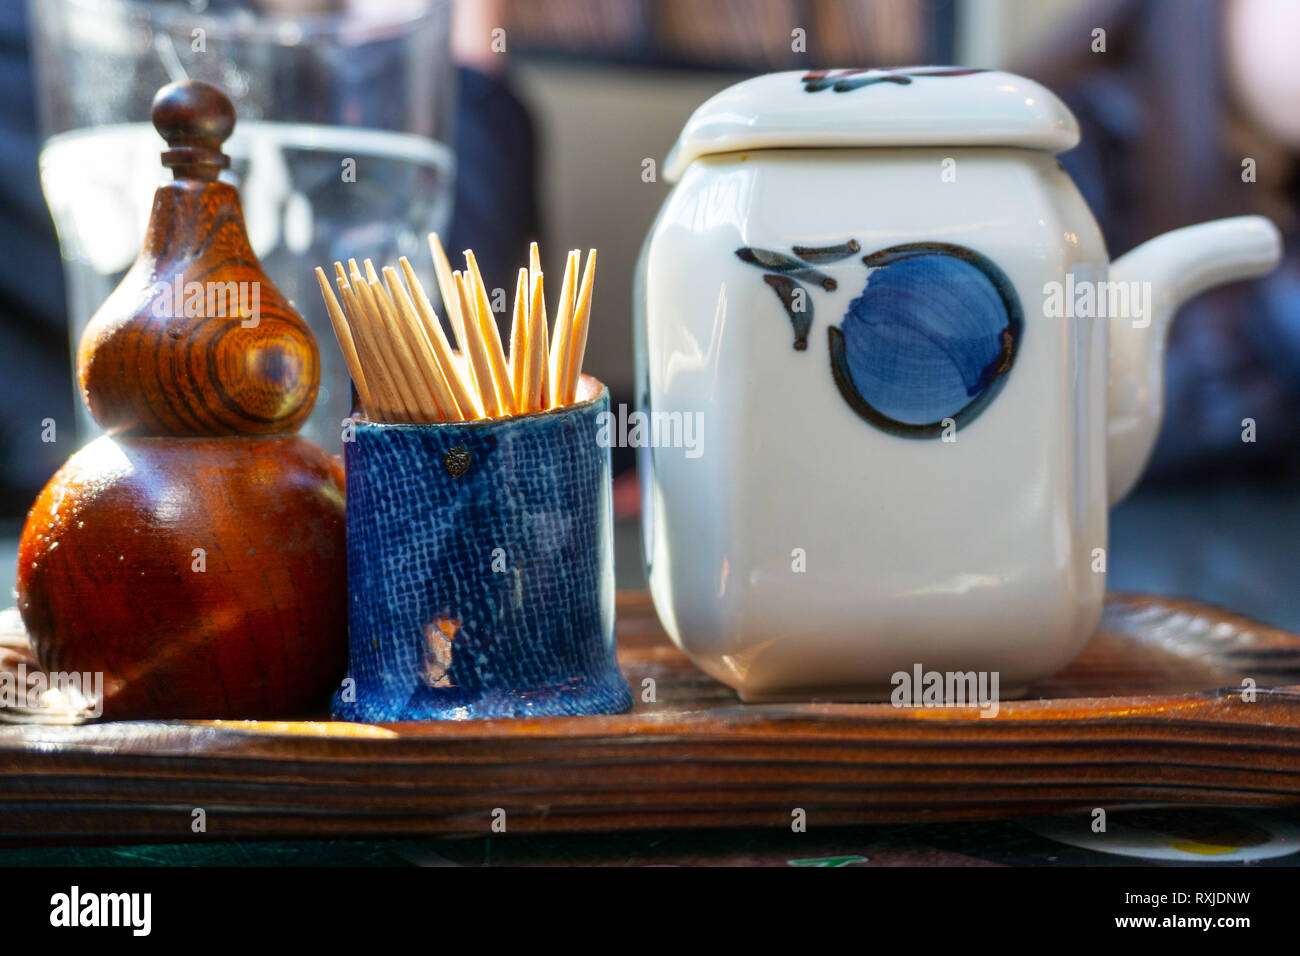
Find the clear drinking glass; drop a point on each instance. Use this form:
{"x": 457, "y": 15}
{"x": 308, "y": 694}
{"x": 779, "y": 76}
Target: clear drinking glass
{"x": 342, "y": 146}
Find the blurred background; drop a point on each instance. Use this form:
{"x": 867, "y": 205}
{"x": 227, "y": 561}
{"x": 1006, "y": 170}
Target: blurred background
{"x": 541, "y": 131}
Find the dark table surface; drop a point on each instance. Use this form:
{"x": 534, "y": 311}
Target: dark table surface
{"x": 1171, "y": 837}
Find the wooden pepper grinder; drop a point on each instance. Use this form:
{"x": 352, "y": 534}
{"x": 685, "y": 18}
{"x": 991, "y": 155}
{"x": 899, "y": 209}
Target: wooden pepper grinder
{"x": 195, "y": 554}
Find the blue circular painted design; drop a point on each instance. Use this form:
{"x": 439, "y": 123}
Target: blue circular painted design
{"x": 932, "y": 336}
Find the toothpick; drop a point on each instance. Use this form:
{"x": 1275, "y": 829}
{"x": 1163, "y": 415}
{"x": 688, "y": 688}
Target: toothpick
{"x": 388, "y": 404}
{"x": 534, "y": 266}
{"x": 447, "y": 287}
{"x": 434, "y": 375}
{"x": 426, "y": 401}
{"x": 476, "y": 349}
{"x": 344, "y": 336}
{"x": 540, "y": 401}
{"x": 407, "y": 369}
{"x": 581, "y": 322}
{"x": 409, "y": 406}
{"x": 461, "y": 385}
{"x": 535, "y": 357}
{"x": 491, "y": 337}
{"x": 519, "y": 341}
{"x": 563, "y": 333}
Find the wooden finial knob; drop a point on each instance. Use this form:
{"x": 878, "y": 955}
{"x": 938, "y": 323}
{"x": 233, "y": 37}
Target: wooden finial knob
{"x": 195, "y": 118}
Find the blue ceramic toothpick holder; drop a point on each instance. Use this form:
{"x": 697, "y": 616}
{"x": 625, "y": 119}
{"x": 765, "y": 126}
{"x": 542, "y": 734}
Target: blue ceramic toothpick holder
{"x": 481, "y": 569}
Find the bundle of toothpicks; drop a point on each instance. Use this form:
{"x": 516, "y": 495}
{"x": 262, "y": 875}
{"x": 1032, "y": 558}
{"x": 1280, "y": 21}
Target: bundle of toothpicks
{"x": 405, "y": 368}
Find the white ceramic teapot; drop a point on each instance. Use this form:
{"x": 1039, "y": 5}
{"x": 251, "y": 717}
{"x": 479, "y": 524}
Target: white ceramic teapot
{"x": 916, "y": 382}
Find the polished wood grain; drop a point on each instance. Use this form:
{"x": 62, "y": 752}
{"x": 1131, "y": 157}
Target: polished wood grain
{"x": 196, "y": 340}
{"x": 196, "y": 555}
{"x": 1151, "y": 713}
{"x": 203, "y": 576}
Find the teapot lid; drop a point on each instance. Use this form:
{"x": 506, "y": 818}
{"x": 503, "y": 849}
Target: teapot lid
{"x": 900, "y": 106}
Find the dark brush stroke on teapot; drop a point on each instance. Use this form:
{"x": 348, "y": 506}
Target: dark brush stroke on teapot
{"x": 844, "y": 81}
{"x": 783, "y": 264}
{"x": 821, "y": 254}
{"x": 931, "y": 337}
{"x": 800, "y": 313}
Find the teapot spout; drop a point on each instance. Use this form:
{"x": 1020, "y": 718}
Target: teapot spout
{"x": 1166, "y": 272}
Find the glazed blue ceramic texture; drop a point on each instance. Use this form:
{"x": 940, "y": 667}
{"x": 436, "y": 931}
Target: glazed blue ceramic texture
{"x": 931, "y": 337}
{"x": 480, "y": 570}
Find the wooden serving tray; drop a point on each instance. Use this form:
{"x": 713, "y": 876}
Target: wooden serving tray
{"x": 1151, "y": 714}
